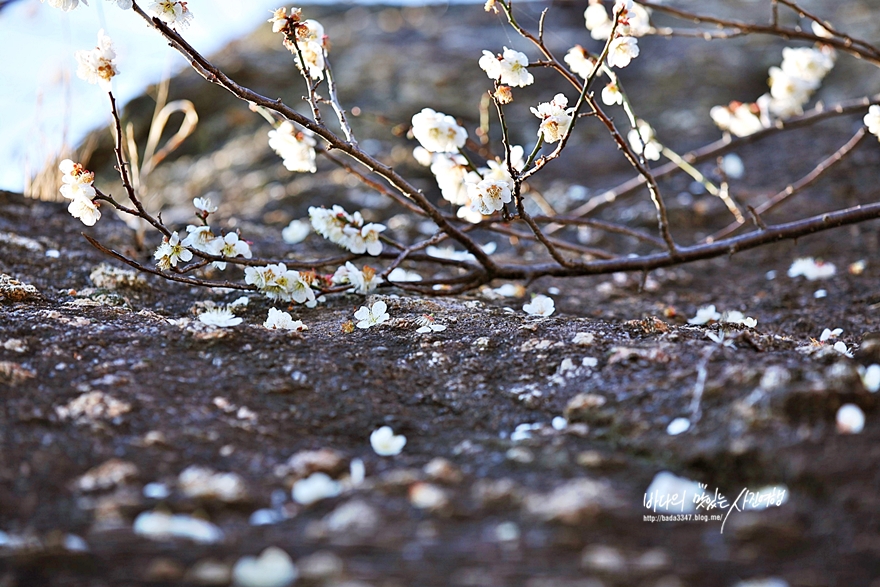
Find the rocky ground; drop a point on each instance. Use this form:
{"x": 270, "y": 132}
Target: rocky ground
{"x": 112, "y": 390}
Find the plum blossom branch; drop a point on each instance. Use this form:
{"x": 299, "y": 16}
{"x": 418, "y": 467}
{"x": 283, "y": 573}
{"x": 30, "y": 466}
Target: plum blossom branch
{"x": 214, "y": 75}
{"x": 856, "y": 47}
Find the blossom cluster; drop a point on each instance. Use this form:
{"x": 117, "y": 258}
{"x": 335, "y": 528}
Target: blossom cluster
{"x": 633, "y": 20}
{"x": 277, "y": 282}
{"x": 791, "y": 86}
{"x": 201, "y": 238}
{"x": 96, "y": 66}
{"x": 170, "y": 12}
{"x": 438, "y": 132}
{"x": 347, "y": 230}
{"x": 643, "y": 142}
{"x": 279, "y": 320}
{"x": 296, "y": 148}
{"x": 477, "y": 192}
{"x": 510, "y": 68}
{"x": 76, "y": 186}
{"x": 555, "y": 118}
{"x": 305, "y": 39}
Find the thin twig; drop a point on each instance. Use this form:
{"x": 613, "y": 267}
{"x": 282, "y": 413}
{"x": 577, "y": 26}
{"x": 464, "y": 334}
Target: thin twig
{"x": 723, "y": 145}
{"x": 804, "y": 182}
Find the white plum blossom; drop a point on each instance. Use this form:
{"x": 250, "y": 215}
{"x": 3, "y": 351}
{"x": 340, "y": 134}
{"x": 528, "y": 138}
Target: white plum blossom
{"x": 74, "y": 175}
{"x": 204, "y": 205}
{"x": 330, "y": 223}
{"x": 170, "y": 12}
{"x": 347, "y": 230}
{"x": 401, "y": 275}
{"x": 437, "y": 132}
{"x": 171, "y": 251}
{"x": 85, "y": 210}
{"x": 807, "y": 63}
{"x": 497, "y": 169}
{"x": 307, "y": 44}
{"x": 385, "y": 443}
{"x": 278, "y": 320}
{"x": 509, "y": 68}
{"x": 228, "y": 246}
{"x": 123, "y": 4}
{"x": 372, "y": 316}
{"x": 811, "y": 269}
{"x": 579, "y": 61}
{"x": 296, "y": 148}
{"x": 313, "y": 55}
{"x": 219, "y": 317}
{"x": 363, "y": 281}
{"x": 427, "y": 324}
{"x": 611, "y": 95}
{"x": 637, "y": 21}
{"x": 850, "y": 419}
{"x": 792, "y": 84}
{"x": 77, "y": 187}
{"x": 705, "y": 315}
{"x": 310, "y": 31}
{"x": 841, "y": 348}
{"x": 97, "y": 66}
{"x": 737, "y": 317}
{"x": 555, "y": 118}
{"x": 73, "y": 191}
{"x": 296, "y": 231}
{"x": 453, "y": 175}
{"x": 821, "y": 31}
{"x": 622, "y": 51}
{"x": 739, "y": 119}
{"x": 643, "y": 142}
{"x": 65, "y": 5}
{"x": 200, "y": 238}
{"x": 365, "y": 239}
{"x": 540, "y": 305}
{"x": 489, "y": 196}
{"x": 277, "y": 282}
{"x": 828, "y": 334}
{"x": 597, "y": 20}
{"x": 315, "y": 487}
{"x": 872, "y": 120}
{"x": 621, "y": 6}
{"x": 280, "y": 18}
{"x": 788, "y": 88}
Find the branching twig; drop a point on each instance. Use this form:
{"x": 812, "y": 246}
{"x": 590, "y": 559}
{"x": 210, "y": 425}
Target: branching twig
{"x": 804, "y": 182}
